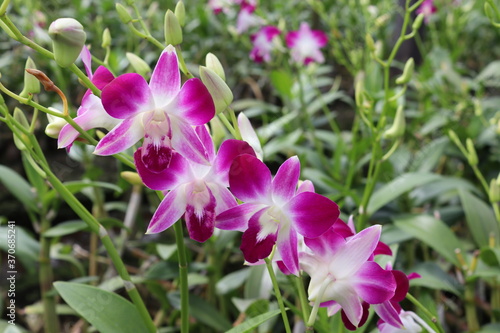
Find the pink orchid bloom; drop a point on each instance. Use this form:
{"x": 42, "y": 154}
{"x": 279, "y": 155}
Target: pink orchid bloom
{"x": 428, "y": 9}
{"x": 91, "y": 113}
{"x": 305, "y": 44}
{"x": 162, "y": 113}
{"x": 263, "y": 43}
{"x": 340, "y": 271}
{"x": 220, "y": 6}
{"x": 197, "y": 191}
{"x": 246, "y": 18}
{"x": 273, "y": 212}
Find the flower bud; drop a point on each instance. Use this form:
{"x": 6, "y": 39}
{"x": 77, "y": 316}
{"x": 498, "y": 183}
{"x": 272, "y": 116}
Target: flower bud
{"x": 140, "y": 66}
{"x": 31, "y": 83}
{"x": 418, "y": 22}
{"x": 68, "y": 38}
{"x": 398, "y": 127}
{"x": 131, "y": 177}
{"x": 123, "y": 13}
{"x": 370, "y": 43}
{"x": 358, "y": 93}
{"x": 21, "y": 118}
{"x": 472, "y": 155}
{"x": 173, "y": 31}
{"x": 478, "y": 107}
{"x": 106, "y": 38}
{"x": 407, "y": 72}
{"x": 180, "y": 13}
{"x": 214, "y": 64}
{"x": 221, "y": 94}
{"x": 494, "y": 191}
{"x": 55, "y": 124}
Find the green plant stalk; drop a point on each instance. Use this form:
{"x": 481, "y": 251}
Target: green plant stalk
{"x": 277, "y": 293}
{"x": 425, "y": 311}
{"x": 470, "y": 307}
{"x": 149, "y": 38}
{"x": 228, "y": 125}
{"x": 495, "y": 298}
{"x": 236, "y": 127}
{"x": 304, "y": 305}
{"x": 183, "y": 276}
{"x": 182, "y": 63}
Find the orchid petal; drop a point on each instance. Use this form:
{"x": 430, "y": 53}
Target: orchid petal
{"x": 285, "y": 182}
{"x": 87, "y": 61}
{"x": 250, "y": 179}
{"x": 122, "y": 137}
{"x": 252, "y": 246}
{"x": 362, "y": 321}
{"x": 194, "y": 103}
{"x": 102, "y": 77}
{"x": 206, "y": 141}
{"x": 373, "y": 283}
{"x": 200, "y": 211}
{"x": 176, "y": 173}
{"x": 382, "y": 248}
{"x": 169, "y": 211}
{"x": 236, "y": 218}
{"x": 326, "y": 244}
{"x": 348, "y": 299}
{"x": 312, "y": 214}
{"x": 225, "y": 199}
{"x": 342, "y": 229}
{"x": 126, "y": 96}
{"x": 287, "y": 246}
{"x": 186, "y": 142}
{"x": 305, "y": 186}
{"x": 248, "y": 134}
{"x": 403, "y": 285}
{"x": 387, "y": 313}
{"x": 228, "y": 151}
{"x": 165, "y": 81}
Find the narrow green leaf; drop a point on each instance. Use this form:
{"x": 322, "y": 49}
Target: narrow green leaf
{"x": 251, "y": 324}
{"x": 106, "y": 311}
{"x": 19, "y": 187}
{"x": 480, "y": 219}
{"x": 66, "y": 228}
{"x": 27, "y": 248}
{"x": 490, "y": 256}
{"x": 232, "y": 281}
{"x": 282, "y": 82}
{"x": 433, "y": 277}
{"x": 397, "y": 187}
{"x": 432, "y": 232}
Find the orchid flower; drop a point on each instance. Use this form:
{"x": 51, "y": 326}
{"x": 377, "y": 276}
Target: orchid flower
{"x": 246, "y": 18}
{"x": 305, "y": 44}
{"x": 428, "y": 9}
{"x": 273, "y": 212}
{"x": 412, "y": 323}
{"x": 197, "y": 191}
{"x": 340, "y": 272}
{"x": 263, "y": 42}
{"x": 220, "y": 6}
{"x": 248, "y": 134}
{"x": 161, "y": 112}
{"x": 91, "y": 113}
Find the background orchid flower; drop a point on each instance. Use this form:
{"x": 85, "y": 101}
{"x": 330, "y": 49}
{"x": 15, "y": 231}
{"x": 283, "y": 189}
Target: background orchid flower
{"x": 246, "y": 18}
{"x": 161, "y": 112}
{"x": 428, "y": 9}
{"x": 263, "y": 43}
{"x": 305, "y": 44}
{"x": 91, "y": 113}
{"x": 340, "y": 272}
{"x": 197, "y": 191}
{"x": 273, "y": 212}
{"x": 249, "y": 135}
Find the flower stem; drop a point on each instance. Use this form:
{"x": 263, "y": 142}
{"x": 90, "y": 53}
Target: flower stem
{"x": 183, "y": 278}
{"x": 277, "y": 293}
{"x": 299, "y": 282}
{"x": 425, "y": 311}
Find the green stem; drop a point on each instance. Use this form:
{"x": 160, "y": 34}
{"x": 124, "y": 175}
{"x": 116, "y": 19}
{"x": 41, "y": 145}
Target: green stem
{"x": 314, "y": 312}
{"x": 183, "y": 278}
{"x": 277, "y": 293}
{"x": 299, "y": 283}
{"x": 229, "y": 127}
{"x": 149, "y": 38}
{"x": 182, "y": 63}
{"x": 470, "y": 307}
{"x": 425, "y": 311}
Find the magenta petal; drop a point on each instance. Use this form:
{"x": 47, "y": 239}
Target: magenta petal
{"x": 382, "y": 248}
{"x": 200, "y": 211}
{"x": 102, "y": 77}
{"x": 122, "y": 137}
{"x": 388, "y": 313}
{"x": 206, "y": 141}
{"x": 364, "y": 317}
{"x": 287, "y": 247}
{"x": 326, "y": 244}
{"x": 126, "y": 96}
{"x": 87, "y": 61}
{"x": 291, "y": 38}
{"x": 305, "y": 186}
{"x": 186, "y": 141}
{"x": 320, "y": 37}
{"x": 176, "y": 173}
{"x": 169, "y": 211}
{"x": 403, "y": 285}
{"x": 285, "y": 182}
{"x": 252, "y": 247}
{"x": 312, "y": 214}
{"x": 351, "y": 305}
{"x": 342, "y": 229}
{"x": 225, "y": 199}
{"x": 165, "y": 81}
{"x": 194, "y": 103}
{"x": 374, "y": 284}
{"x": 228, "y": 151}
{"x": 250, "y": 179}
{"x": 236, "y": 218}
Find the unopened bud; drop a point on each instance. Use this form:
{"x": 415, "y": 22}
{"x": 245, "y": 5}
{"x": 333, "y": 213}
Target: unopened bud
{"x": 180, "y": 13}
{"x": 21, "y": 119}
{"x": 407, "y": 72}
{"x": 31, "y": 83}
{"x": 370, "y": 43}
{"x": 494, "y": 191}
{"x": 221, "y": 94}
{"x": 55, "y": 124}
{"x": 123, "y": 13}
{"x": 478, "y": 107}
{"x": 68, "y": 38}
{"x": 418, "y": 22}
{"x": 173, "y": 30}
{"x": 140, "y": 66}
{"x": 132, "y": 178}
{"x": 398, "y": 127}
{"x": 358, "y": 93}
{"x": 214, "y": 64}
{"x": 472, "y": 155}
{"x": 106, "y": 38}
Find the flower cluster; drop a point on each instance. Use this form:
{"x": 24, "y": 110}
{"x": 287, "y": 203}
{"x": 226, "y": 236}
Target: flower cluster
{"x": 232, "y": 189}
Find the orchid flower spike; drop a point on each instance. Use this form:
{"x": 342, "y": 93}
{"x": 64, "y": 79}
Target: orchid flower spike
{"x": 198, "y": 192}
{"x": 263, "y": 43}
{"x": 163, "y": 113}
{"x": 305, "y": 44}
{"x": 274, "y": 211}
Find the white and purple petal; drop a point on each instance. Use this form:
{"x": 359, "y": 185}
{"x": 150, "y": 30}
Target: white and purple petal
{"x": 200, "y": 211}
{"x": 285, "y": 181}
{"x": 236, "y": 218}
{"x": 193, "y": 104}
{"x": 228, "y": 151}
{"x": 165, "y": 81}
{"x": 122, "y": 137}
{"x": 250, "y": 179}
{"x": 253, "y": 245}
{"x": 171, "y": 209}
{"x": 373, "y": 283}
{"x": 288, "y": 249}
{"x": 186, "y": 141}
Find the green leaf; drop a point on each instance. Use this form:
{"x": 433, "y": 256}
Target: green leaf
{"x": 432, "y": 232}
{"x": 78, "y": 186}
{"x": 433, "y": 277}
{"x": 490, "y": 256}
{"x": 480, "y": 219}
{"x": 282, "y": 82}
{"x": 106, "y": 311}
{"x": 27, "y": 248}
{"x": 5, "y": 327}
{"x": 166, "y": 251}
{"x": 66, "y": 228}
{"x": 19, "y": 187}
{"x": 251, "y": 324}
{"x": 232, "y": 281}
{"x": 397, "y": 187}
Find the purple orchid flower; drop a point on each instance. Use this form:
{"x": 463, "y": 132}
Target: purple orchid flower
{"x": 162, "y": 113}
{"x": 246, "y": 17}
{"x": 263, "y": 43}
{"x": 273, "y": 212}
{"x": 342, "y": 275}
{"x": 91, "y": 113}
{"x": 197, "y": 191}
{"x": 305, "y": 44}
{"x": 428, "y": 9}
